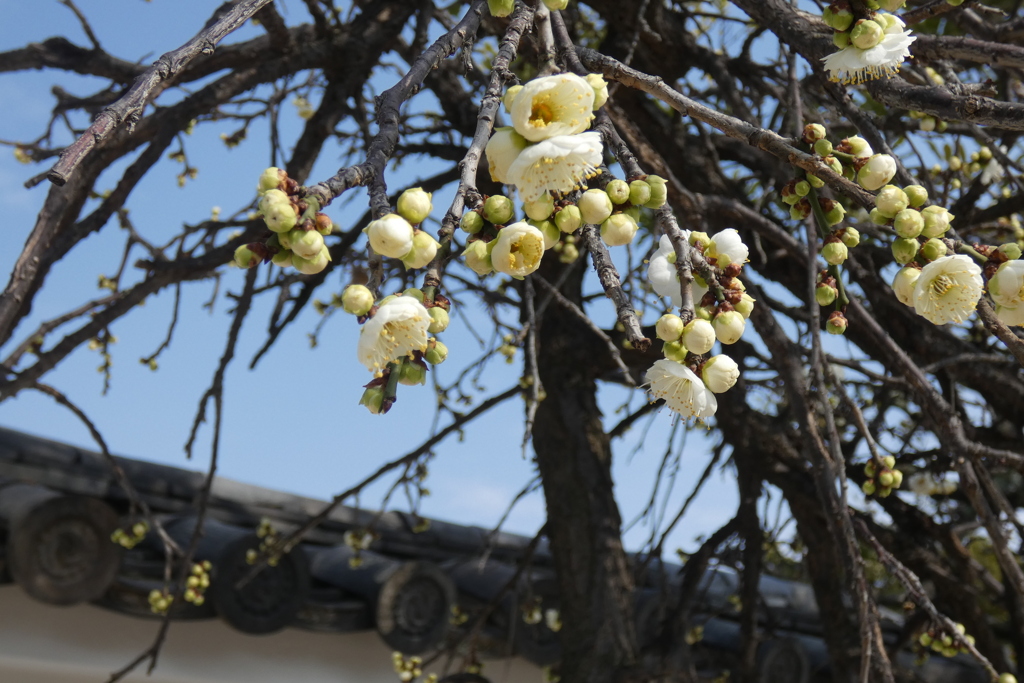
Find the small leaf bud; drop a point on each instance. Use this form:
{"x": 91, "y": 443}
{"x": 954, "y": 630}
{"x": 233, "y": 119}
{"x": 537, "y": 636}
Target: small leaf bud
{"x": 595, "y": 206}
{"x": 908, "y": 223}
{"x": 414, "y": 205}
{"x": 472, "y": 222}
{"x": 569, "y": 219}
{"x": 357, "y": 300}
{"x": 639, "y": 193}
{"x": 669, "y": 327}
{"x": 618, "y": 191}
{"x": 498, "y": 209}
{"x": 933, "y": 249}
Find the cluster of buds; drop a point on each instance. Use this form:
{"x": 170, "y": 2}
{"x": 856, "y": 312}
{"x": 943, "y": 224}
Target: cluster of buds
{"x": 827, "y": 294}
{"x": 945, "y": 643}
{"x": 503, "y": 8}
{"x": 394, "y": 338}
{"x": 852, "y": 158}
{"x": 197, "y": 582}
{"x": 458, "y": 616}
{"x": 881, "y": 481}
{"x": 129, "y": 539}
{"x": 357, "y": 540}
{"x": 863, "y": 33}
{"x": 297, "y": 226}
{"x": 408, "y": 668}
{"x": 919, "y": 229}
{"x": 929, "y": 123}
{"x": 979, "y": 162}
{"x": 397, "y": 235}
{"x": 160, "y": 600}
{"x": 269, "y": 539}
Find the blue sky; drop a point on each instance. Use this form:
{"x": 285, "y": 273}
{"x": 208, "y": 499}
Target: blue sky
{"x": 292, "y": 423}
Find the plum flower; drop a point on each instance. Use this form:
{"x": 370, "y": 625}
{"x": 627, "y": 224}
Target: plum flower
{"x": 1007, "y": 290}
{"x": 681, "y": 389}
{"x": 398, "y": 328}
{"x": 553, "y": 106}
{"x": 727, "y": 247}
{"x": 947, "y": 290}
{"x": 559, "y": 164}
{"x": 501, "y": 150}
{"x": 854, "y": 65}
{"x": 661, "y": 273}
{"x": 518, "y": 249}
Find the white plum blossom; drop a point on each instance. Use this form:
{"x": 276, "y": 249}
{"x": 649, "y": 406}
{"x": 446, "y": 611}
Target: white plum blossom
{"x": 727, "y": 247}
{"x": 398, "y": 328}
{"x": 390, "y": 236}
{"x": 661, "y": 273}
{"x": 501, "y": 150}
{"x": 1007, "y": 290}
{"x": 553, "y": 106}
{"x": 854, "y": 65}
{"x": 947, "y": 290}
{"x": 518, "y": 249}
{"x": 681, "y": 389}
{"x": 559, "y": 164}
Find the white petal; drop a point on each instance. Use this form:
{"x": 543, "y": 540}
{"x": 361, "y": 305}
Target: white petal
{"x": 552, "y": 106}
{"x": 398, "y": 328}
{"x": 559, "y": 164}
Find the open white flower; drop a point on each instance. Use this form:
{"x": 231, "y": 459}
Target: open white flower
{"x": 398, "y": 328}
{"x": 518, "y": 249}
{"x": 559, "y": 164}
{"x": 553, "y": 105}
{"x": 1007, "y": 290}
{"x": 501, "y": 150}
{"x": 947, "y": 290}
{"x": 661, "y": 273}
{"x": 727, "y": 247}
{"x": 854, "y": 65}
{"x": 681, "y": 389}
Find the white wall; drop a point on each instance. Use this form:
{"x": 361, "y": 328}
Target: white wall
{"x": 41, "y": 643}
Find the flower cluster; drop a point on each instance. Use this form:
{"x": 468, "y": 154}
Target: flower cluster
{"x": 927, "y": 484}
{"x": 684, "y": 379}
{"x": 870, "y": 48}
{"x": 130, "y": 540}
{"x": 881, "y": 482}
{"x": 396, "y": 236}
{"x": 945, "y": 643}
{"x": 395, "y": 341}
{"x": 546, "y": 149}
{"x": 297, "y": 226}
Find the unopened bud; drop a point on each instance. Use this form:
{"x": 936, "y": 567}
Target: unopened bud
{"x": 357, "y": 300}
{"x": 498, "y": 209}
{"x": 510, "y": 96}
{"x": 595, "y": 206}
{"x": 836, "y": 323}
{"x": 414, "y": 205}
{"x": 438, "y": 320}
{"x": 436, "y": 353}
{"x": 933, "y": 249}
{"x": 908, "y": 223}
{"x": 850, "y": 237}
{"x": 904, "y": 250}
{"x": 618, "y": 229}
{"x": 669, "y": 327}
{"x": 373, "y": 399}
{"x": 540, "y": 209}
{"x": 501, "y": 8}
{"x": 472, "y": 222}
{"x": 825, "y": 294}
{"x": 618, "y": 191}
{"x": 639, "y": 193}
{"x": 835, "y": 253}
{"x": 569, "y": 219}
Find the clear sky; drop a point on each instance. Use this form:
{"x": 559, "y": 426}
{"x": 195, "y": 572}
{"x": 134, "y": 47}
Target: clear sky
{"x": 293, "y": 423}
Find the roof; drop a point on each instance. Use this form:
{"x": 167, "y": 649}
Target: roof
{"x": 59, "y": 505}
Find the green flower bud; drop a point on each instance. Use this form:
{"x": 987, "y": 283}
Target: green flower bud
{"x": 904, "y": 250}
{"x": 501, "y": 8}
{"x": 699, "y": 336}
{"x": 639, "y": 193}
{"x": 498, "y": 209}
{"x": 815, "y": 181}
{"x": 825, "y": 294}
{"x": 373, "y": 399}
{"x": 669, "y": 327}
{"x": 618, "y": 191}
{"x": 600, "y": 86}
{"x": 414, "y": 205}
{"x": 471, "y": 222}
{"x": 674, "y": 351}
{"x": 745, "y": 306}
{"x": 800, "y": 210}
{"x": 245, "y": 257}
{"x": 850, "y": 237}
{"x": 324, "y": 225}
{"x": 885, "y": 479}
{"x": 569, "y": 219}
{"x": 618, "y": 229}
{"x": 282, "y": 259}
{"x": 704, "y": 312}
{"x": 595, "y": 206}
{"x": 307, "y": 243}
{"x": 834, "y": 211}
{"x": 835, "y": 253}
{"x": 1005, "y": 678}
{"x": 569, "y": 254}
{"x": 801, "y": 188}
{"x": 1010, "y": 251}
{"x": 813, "y": 132}
{"x": 424, "y": 249}
{"x": 878, "y": 218}
{"x": 936, "y": 220}
{"x": 836, "y": 323}
{"x": 659, "y": 193}
{"x": 927, "y": 124}
{"x": 891, "y": 5}
{"x": 411, "y": 373}
{"x": 933, "y": 249}
{"x": 868, "y": 488}
{"x": 555, "y": 5}
{"x": 866, "y": 34}
{"x": 477, "y": 256}
{"x": 698, "y": 237}
{"x": 876, "y": 172}
{"x": 897, "y": 479}
{"x": 549, "y": 230}
{"x": 277, "y": 210}
{"x": 270, "y": 179}
{"x": 889, "y": 461}
{"x": 414, "y": 292}
{"x": 634, "y": 213}
{"x": 924, "y": 639}
{"x": 890, "y": 200}
{"x": 438, "y": 320}
{"x": 729, "y": 326}
{"x": 436, "y": 353}
{"x": 908, "y": 223}
{"x": 823, "y": 147}
{"x": 510, "y": 96}
{"x": 842, "y": 19}
{"x": 357, "y": 299}
{"x": 311, "y": 266}
{"x": 541, "y": 209}
{"x": 955, "y": 163}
